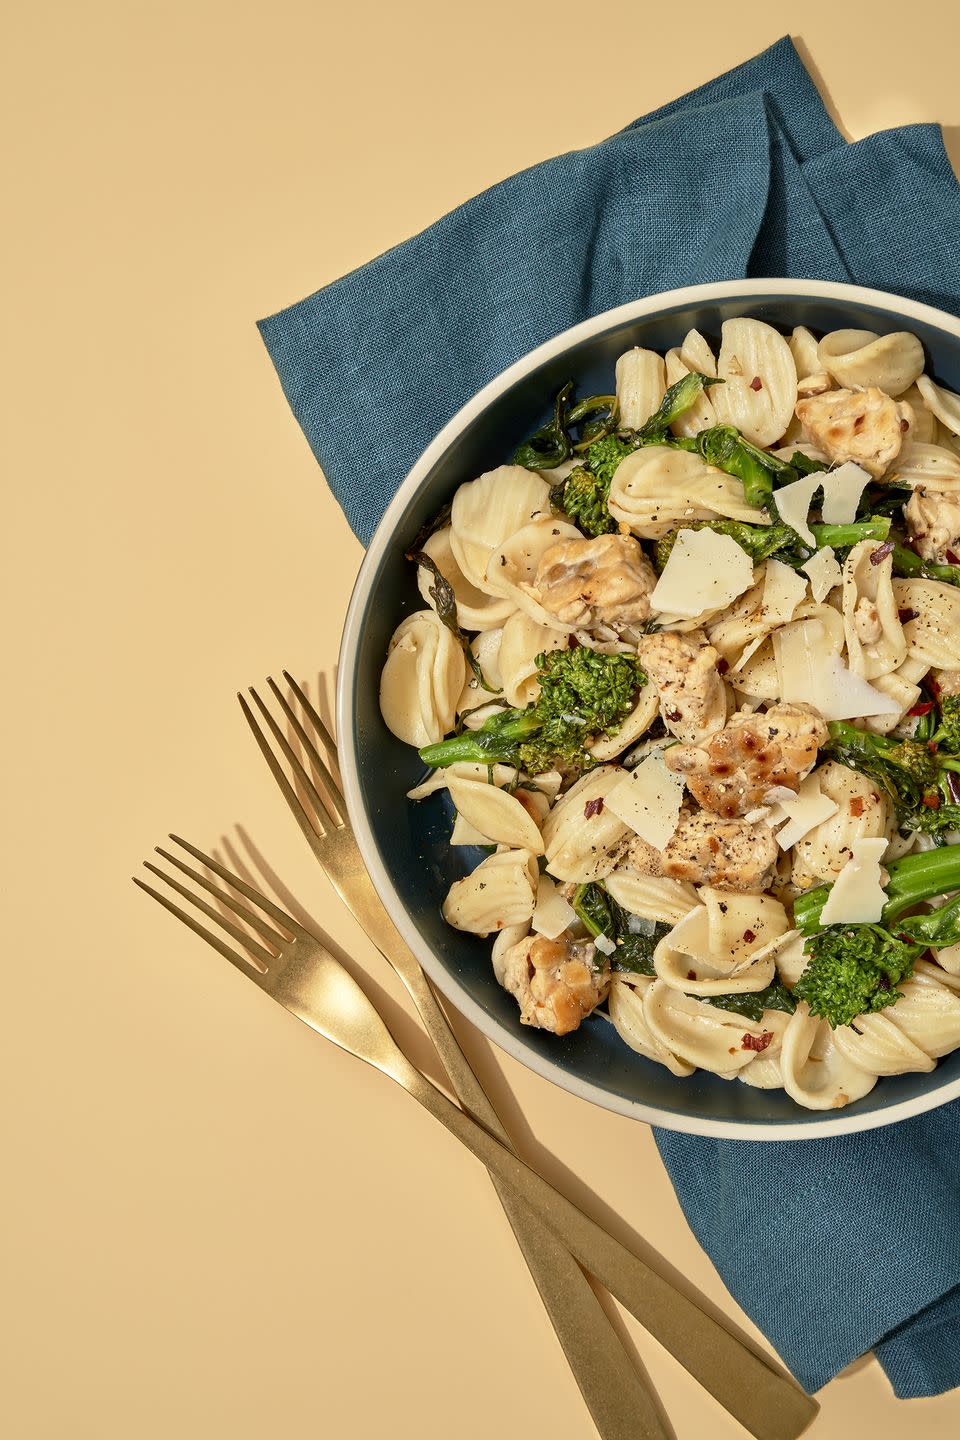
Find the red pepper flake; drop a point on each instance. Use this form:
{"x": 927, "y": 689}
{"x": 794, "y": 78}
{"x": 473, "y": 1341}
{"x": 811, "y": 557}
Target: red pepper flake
{"x": 749, "y": 936}
{"x": 932, "y": 746}
{"x": 722, "y": 666}
{"x": 904, "y": 425}
{"x": 757, "y": 1042}
{"x": 573, "y": 643}
{"x": 691, "y": 974}
{"x": 856, "y": 805}
{"x": 923, "y": 708}
{"x": 593, "y": 807}
{"x": 878, "y": 556}
{"x": 953, "y": 557}
{"x": 756, "y": 383}
{"x": 906, "y": 614}
{"x": 674, "y": 715}
{"x": 931, "y": 802}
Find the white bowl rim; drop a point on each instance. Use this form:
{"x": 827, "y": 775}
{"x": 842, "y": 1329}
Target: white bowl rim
{"x": 840, "y": 1122}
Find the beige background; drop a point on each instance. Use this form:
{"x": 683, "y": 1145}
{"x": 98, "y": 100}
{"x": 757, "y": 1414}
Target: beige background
{"x": 213, "y": 1224}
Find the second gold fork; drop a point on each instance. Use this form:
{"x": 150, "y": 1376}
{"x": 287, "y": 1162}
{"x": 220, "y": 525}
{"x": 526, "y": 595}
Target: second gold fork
{"x": 615, "y": 1393}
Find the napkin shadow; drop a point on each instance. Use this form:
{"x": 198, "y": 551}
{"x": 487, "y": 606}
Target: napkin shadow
{"x": 247, "y": 861}
{"x": 479, "y": 1052}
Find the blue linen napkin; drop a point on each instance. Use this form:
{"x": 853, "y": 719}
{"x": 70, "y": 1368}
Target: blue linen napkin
{"x": 838, "y": 1246}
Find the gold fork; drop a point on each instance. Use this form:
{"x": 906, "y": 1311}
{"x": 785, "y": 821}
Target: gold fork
{"x": 614, "y": 1390}
{"x": 301, "y": 974}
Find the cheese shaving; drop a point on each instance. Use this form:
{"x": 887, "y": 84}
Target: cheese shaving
{"x": 857, "y": 896}
{"x": 793, "y": 504}
{"x": 783, "y": 589}
{"x": 552, "y": 914}
{"x": 824, "y": 571}
{"x": 648, "y": 799}
{"x": 842, "y": 489}
{"x": 811, "y": 672}
{"x": 802, "y": 812}
{"x": 705, "y": 571}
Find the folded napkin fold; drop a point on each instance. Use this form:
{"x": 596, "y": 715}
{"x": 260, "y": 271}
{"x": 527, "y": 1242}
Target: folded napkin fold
{"x": 834, "y": 1247}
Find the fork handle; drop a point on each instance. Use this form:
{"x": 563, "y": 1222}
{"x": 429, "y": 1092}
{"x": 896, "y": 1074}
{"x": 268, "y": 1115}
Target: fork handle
{"x": 615, "y": 1392}
{"x": 767, "y": 1403}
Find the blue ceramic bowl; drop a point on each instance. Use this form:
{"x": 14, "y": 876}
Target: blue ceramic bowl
{"x": 406, "y": 845}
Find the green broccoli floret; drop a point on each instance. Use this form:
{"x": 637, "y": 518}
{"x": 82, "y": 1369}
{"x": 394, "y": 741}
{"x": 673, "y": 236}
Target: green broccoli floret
{"x": 584, "y": 501}
{"x": 947, "y": 732}
{"x": 854, "y": 970}
{"x": 583, "y": 695}
{"x": 916, "y": 774}
{"x": 603, "y": 456}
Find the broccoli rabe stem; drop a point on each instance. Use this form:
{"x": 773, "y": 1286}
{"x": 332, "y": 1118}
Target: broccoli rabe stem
{"x": 844, "y": 537}
{"x": 497, "y": 741}
{"x": 912, "y": 879}
{"x": 909, "y": 565}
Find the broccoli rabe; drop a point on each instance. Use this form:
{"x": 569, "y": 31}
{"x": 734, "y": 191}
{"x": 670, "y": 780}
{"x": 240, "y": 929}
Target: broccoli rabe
{"x": 752, "y": 1003}
{"x": 779, "y": 539}
{"x": 600, "y": 914}
{"x": 583, "y": 499}
{"x": 919, "y": 776}
{"x": 583, "y": 695}
{"x": 676, "y": 402}
{"x": 909, "y": 565}
{"x": 854, "y": 969}
{"x": 947, "y": 732}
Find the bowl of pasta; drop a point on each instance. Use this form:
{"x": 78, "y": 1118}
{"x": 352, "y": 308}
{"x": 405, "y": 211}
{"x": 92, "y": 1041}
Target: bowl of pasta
{"x": 649, "y": 709}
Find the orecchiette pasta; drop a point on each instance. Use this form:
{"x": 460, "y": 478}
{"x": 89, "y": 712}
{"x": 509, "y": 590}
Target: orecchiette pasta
{"x": 872, "y": 629}
{"x": 422, "y": 679}
{"x": 487, "y": 511}
{"x": 760, "y": 381}
{"x": 501, "y": 892}
{"x": 942, "y": 403}
{"x": 476, "y": 610}
{"x": 859, "y": 359}
{"x": 710, "y": 710}
{"x": 641, "y": 381}
{"x": 581, "y": 839}
{"x": 656, "y": 489}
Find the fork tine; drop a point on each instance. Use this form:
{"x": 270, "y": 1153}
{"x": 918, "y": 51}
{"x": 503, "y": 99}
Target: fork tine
{"x": 324, "y": 735}
{"x": 275, "y": 912}
{"x": 324, "y": 813}
{"x": 266, "y": 957}
{"x": 256, "y": 921}
{"x": 311, "y": 749}
{"x": 310, "y": 828}
{"x": 242, "y": 962}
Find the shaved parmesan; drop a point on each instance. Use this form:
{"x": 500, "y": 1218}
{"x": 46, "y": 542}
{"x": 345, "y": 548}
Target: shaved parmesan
{"x": 464, "y": 833}
{"x": 802, "y": 812}
{"x": 811, "y": 671}
{"x": 857, "y": 896}
{"x": 824, "y": 571}
{"x": 783, "y": 589}
{"x": 793, "y": 504}
{"x": 842, "y": 489}
{"x": 648, "y": 799}
{"x": 552, "y": 914}
{"x": 705, "y": 571}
